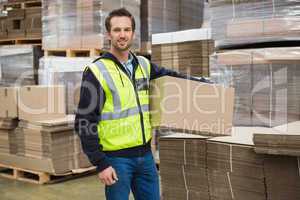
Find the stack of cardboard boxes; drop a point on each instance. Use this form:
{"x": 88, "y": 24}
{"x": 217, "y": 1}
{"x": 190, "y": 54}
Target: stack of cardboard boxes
{"x": 21, "y": 21}
{"x": 196, "y": 167}
{"x": 3, "y": 29}
{"x": 183, "y": 167}
{"x": 167, "y": 16}
{"x": 80, "y": 24}
{"x": 43, "y": 137}
{"x": 250, "y": 22}
{"x": 285, "y": 142}
{"x": 235, "y": 171}
{"x": 184, "y": 51}
{"x": 266, "y": 82}
{"x": 282, "y": 166}
{"x": 8, "y": 120}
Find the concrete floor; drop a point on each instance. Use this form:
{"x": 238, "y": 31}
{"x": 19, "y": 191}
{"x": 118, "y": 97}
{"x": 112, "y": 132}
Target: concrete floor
{"x": 83, "y": 188}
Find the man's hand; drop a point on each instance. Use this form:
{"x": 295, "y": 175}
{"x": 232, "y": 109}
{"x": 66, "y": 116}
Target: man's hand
{"x": 108, "y": 176}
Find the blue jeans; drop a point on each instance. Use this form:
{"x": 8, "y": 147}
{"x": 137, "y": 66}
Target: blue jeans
{"x": 138, "y": 174}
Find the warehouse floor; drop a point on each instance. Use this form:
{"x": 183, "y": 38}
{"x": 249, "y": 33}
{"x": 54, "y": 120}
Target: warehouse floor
{"x": 77, "y": 189}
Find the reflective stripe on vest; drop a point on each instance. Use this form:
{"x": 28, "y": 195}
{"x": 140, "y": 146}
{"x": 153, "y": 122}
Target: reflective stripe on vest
{"x": 123, "y": 114}
{"x": 111, "y": 84}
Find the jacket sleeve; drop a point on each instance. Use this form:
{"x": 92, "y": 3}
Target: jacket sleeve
{"x": 92, "y": 98}
{"x": 157, "y": 72}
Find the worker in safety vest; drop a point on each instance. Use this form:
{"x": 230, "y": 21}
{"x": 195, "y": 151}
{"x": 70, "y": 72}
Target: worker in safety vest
{"x": 113, "y": 119}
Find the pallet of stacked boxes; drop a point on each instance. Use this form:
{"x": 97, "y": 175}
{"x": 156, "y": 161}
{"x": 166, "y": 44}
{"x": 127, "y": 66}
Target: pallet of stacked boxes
{"x": 22, "y": 22}
{"x": 266, "y": 82}
{"x": 184, "y": 51}
{"x": 159, "y": 16}
{"x": 3, "y": 28}
{"x": 226, "y": 168}
{"x": 237, "y": 23}
{"x": 47, "y": 145}
{"x": 80, "y": 24}
{"x": 285, "y": 142}
{"x": 8, "y": 119}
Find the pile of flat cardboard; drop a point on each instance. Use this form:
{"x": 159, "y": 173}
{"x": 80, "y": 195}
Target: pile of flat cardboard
{"x": 19, "y": 64}
{"x": 183, "y": 167}
{"x": 184, "y": 51}
{"x": 8, "y": 119}
{"x": 277, "y": 144}
{"x": 228, "y": 165}
{"x": 235, "y": 171}
{"x": 191, "y": 106}
{"x": 266, "y": 83}
{"x": 8, "y": 143}
{"x": 248, "y": 22}
{"x": 282, "y": 177}
{"x": 54, "y": 140}
{"x": 170, "y": 15}
{"x": 80, "y": 24}
{"x": 286, "y": 141}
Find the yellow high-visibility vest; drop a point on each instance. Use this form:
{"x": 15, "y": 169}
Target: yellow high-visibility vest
{"x": 125, "y": 118}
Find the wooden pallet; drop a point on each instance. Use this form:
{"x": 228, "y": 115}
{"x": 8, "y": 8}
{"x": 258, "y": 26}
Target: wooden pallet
{"x": 36, "y": 177}
{"x": 73, "y": 52}
{"x": 21, "y": 5}
{"x": 16, "y": 41}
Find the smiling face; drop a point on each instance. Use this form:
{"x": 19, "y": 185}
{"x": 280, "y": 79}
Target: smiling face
{"x": 121, "y": 34}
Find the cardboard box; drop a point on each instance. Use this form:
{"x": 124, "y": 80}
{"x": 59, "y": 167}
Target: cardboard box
{"x": 184, "y": 51}
{"x": 33, "y": 22}
{"x": 3, "y": 28}
{"x": 255, "y": 74}
{"x": 191, "y": 106}
{"x": 263, "y": 27}
{"x": 42, "y": 102}
{"x": 9, "y": 102}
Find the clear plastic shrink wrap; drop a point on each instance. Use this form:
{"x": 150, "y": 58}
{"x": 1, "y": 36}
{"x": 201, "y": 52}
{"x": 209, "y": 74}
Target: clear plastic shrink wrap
{"x": 64, "y": 71}
{"x": 266, "y": 82}
{"x": 80, "y": 24}
{"x": 240, "y": 22}
{"x": 19, "y": 64}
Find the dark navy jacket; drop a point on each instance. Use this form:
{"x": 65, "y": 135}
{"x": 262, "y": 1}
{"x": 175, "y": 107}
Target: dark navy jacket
{"x": 92, "y": 98}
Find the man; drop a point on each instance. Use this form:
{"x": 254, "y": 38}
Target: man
{"x": 113, "y": 114}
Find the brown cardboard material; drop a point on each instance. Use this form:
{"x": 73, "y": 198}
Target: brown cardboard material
{"x": 255, "y": 74}
{"x": 38, "y": 103}
{"x": 189, "y": 57}
{"x": 183, "y": 166}
{"x": 50, "y": 145}
{"x": 33, "y": 22}
{"x": 191, "y": 106}
{"x": 262, "y": 27}
{"x": 42, "y": 165}
{"x": 9, "y": 103}
{"x": 3, "y": 28}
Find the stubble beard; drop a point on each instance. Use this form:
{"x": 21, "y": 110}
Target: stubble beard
{"x": 125, "y": 48}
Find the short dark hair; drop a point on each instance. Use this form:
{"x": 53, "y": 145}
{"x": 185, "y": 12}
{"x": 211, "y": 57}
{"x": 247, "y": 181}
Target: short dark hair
{"x": 121, "y": 12}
